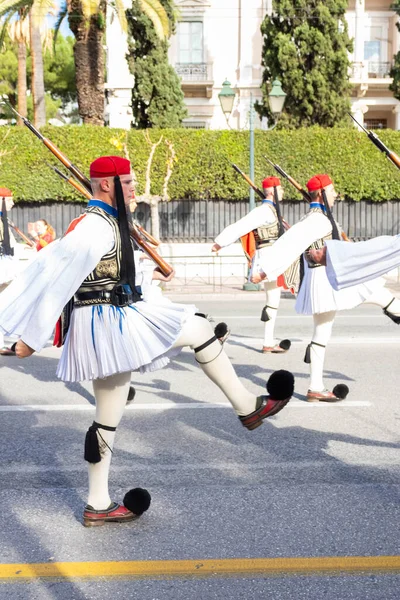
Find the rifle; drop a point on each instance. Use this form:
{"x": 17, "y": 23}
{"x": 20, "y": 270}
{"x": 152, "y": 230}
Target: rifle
{"x": 392, "y": 156}
{"x": 21, "y": 234}
{"x": 164, "y": 267}
{"x": 257, "y": 190}
{"x": 290, "y": 179}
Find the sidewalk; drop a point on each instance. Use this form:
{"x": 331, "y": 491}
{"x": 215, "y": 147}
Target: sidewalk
{"x": 177, "y": 290}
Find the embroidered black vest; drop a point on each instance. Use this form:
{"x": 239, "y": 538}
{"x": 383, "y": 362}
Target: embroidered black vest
{"x": 107, "y": 271}
{"x": 268, "y": 233}
{"x": 318, "y": 244}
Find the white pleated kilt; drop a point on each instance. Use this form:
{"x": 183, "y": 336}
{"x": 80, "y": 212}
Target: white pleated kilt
{"x": 316, "y": 295}
{"x": 8, "y": 268}
{"x": 103, "y": 340}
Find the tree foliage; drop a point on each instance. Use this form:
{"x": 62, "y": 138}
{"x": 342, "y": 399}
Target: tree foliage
{"x": 202, "y": 168}
{"x": 395, "y": 70}
{"x": 157, "y": 98}
{"x": 59, "y": 76}
{"x": 306, "y": 47}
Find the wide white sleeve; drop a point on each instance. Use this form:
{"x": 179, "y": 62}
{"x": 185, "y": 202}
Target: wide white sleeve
{"x": 351, "y": 264}
{"x": 33, "y": 302}
{"x": 293, "y": 243}
{"x": 257, "y": 217}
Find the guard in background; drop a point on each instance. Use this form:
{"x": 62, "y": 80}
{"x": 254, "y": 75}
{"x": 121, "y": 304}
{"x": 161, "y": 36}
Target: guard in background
{"x": 258, "y": 231}
{"x": 316, "y": 296}
{"x": 8, "y": 262}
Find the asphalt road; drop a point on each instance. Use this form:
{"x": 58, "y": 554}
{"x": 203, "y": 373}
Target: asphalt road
{"x": 314, "y": 481}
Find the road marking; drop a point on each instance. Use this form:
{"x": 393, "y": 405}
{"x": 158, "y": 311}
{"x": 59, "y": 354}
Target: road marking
{"x": 161, "y": 569}
{"x": 334, "y": 340}
{"x": 145, "y": 406}
{"x": 297, "y": 317}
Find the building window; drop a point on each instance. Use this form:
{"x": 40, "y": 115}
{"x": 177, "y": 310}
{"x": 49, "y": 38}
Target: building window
{"x": 190, "y": 42}
{"x": 375, "y": 123}
{"x": 194, "y": 124}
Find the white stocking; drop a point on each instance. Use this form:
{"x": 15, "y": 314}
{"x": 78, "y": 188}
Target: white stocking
{"x": 216, "y": 364}
{"x": 322, "y": 332}
{"x": 272, "y": 299}
{"x": 110, "y": 395}
{"x": 382, "y": 298}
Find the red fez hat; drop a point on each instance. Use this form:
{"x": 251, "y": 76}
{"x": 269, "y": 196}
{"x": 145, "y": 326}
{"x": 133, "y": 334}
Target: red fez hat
{"x": 109, "y": 166}
{"x": 271, "y": 182}
{"x": 318, "y": 182}
{"x": 5, "y": 193}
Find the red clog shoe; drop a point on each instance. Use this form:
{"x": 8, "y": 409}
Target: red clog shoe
{"x": 115, "y": 513}
{"x": 265, "y": 407}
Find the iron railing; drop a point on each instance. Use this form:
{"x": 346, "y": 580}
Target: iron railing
{"x": 194, "y": 71}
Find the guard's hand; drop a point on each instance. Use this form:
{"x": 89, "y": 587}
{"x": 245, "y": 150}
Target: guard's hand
{"x": 258, "y": 277}
{"x": 216, "y": 248}
{"x": 159, "y": 276}
{"x": 22, "y": 350}
{"x": 318, "y": 256}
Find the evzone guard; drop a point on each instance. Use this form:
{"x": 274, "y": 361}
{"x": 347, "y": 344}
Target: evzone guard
{"x": 316, "y": 296}
{"x": 258, "y": 231}
{"x": 113, "y": 332}
{"x": 8, "y": 262}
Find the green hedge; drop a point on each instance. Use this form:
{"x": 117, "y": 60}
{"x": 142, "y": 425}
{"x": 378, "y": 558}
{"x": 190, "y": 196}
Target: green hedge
{"x": 202, "y": 167}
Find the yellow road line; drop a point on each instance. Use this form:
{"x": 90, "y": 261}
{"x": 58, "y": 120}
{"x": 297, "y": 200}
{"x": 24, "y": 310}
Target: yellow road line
{"x": 204, "y": 568}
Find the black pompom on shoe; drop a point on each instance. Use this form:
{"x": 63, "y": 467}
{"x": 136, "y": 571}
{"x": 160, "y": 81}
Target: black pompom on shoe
{"x": 341, "y": 390}
{"x": 285, "y": 344}
{"x": 137, "y": 500}
{"x": 280, "y": 385}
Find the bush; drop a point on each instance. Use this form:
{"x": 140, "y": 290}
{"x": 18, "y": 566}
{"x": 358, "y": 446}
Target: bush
{"x": 202, "y": 169}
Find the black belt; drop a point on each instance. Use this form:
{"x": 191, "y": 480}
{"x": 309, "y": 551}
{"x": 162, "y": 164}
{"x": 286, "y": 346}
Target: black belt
{"x": 263, "y": 243}
{"x": 104, "y": 297}
{"x": 89, "y": 298}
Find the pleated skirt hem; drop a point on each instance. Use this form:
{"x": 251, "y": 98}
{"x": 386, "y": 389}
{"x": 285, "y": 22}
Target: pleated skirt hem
{"x": 104, "y": 340}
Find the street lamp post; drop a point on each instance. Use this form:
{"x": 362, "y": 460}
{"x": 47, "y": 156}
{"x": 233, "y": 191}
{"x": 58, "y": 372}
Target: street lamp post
{"x": 276, "y": 99}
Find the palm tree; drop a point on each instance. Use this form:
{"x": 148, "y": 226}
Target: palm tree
{"x": 87, "y": 21}
{"x": 17, "y": 10}
{"x": 18, "y": 32}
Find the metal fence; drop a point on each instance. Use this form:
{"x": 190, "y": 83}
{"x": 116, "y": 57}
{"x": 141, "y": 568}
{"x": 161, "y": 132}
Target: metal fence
{"x": 202, "y": 220}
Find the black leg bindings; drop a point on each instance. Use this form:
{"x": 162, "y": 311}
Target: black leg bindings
{"x": 204, "y": 346}
{"x": 94, "y": 450}
{"x": 395, "y": 318}
{"x": 307, "y": 355}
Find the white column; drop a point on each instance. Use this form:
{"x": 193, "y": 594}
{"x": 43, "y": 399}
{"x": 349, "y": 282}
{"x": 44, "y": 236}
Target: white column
{"x": 396, "y": 111}
{"x": 359, "y": 109}
{"x": 359, "y": 31}
{"x": 119, "y": 81}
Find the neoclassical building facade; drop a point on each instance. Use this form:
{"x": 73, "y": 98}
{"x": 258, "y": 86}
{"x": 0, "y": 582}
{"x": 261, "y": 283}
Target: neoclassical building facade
{"x": 221, "y": 39}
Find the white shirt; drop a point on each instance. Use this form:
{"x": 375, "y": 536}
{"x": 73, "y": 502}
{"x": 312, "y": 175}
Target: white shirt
{"x": 255, "y": 218}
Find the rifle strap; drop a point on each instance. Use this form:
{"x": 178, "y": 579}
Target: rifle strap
{"x": 278, "y": 213}
{"x": 128, "y": 271}
{"x": 7, "y": 250}
{"x": 335, "y": 231}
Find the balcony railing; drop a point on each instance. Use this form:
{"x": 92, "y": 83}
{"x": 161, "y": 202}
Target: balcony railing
{"x": 370, "y": 70}
{"x": 194, "y": 71}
